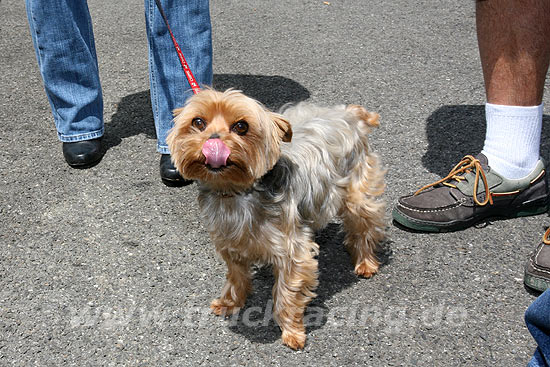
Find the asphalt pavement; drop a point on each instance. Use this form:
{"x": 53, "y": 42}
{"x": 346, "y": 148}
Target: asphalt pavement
{"x": 109, "y": 267}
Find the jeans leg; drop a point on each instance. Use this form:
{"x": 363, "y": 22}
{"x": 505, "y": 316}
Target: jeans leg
{"x": 537, "y": 318}
{"x": 64, "y": 43}
{"x": 190, "y": 23}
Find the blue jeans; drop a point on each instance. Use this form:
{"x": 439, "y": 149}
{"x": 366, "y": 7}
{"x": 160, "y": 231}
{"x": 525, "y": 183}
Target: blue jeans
{"x": 64, "y": 43}
{"x": 537, "y": 318}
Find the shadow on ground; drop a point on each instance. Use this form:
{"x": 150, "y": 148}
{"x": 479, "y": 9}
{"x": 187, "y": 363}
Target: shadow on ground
{"x": 134, "y": 115}
{"x": 457, "y": 130}
{"x": 273, "y": 91}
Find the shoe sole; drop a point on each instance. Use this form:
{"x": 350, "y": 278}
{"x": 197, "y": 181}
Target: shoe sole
{"x": 421, "y": 226}
{"x": 176, "y": 183}
{"x": 536, "y": 283}
{"x": 85, "y": 165}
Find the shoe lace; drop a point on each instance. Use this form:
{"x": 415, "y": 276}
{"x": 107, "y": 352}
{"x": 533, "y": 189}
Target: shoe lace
{"x": 545, "y": 238}
{"x": 457, "y": 174}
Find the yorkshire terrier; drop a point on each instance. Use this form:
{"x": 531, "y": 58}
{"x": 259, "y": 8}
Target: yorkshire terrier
{"x": 268, "y": 180}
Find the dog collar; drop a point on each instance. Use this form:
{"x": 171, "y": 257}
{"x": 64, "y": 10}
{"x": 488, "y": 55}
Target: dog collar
{"x": 230, "y": 194}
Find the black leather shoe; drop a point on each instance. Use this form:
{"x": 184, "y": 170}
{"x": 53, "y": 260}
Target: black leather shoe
{"x": 83, "y": 154}
{"x": 169, "y": 174}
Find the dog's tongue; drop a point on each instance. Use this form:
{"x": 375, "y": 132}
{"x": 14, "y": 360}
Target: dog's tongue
{"x": 216, "y": 152}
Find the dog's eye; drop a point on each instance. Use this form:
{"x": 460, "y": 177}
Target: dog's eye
{"x": 240, "y": 127}
{"x": 199, "y": 123}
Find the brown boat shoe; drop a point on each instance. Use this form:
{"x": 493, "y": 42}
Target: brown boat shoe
{"x": 469, "y": 194}
{"x": 537, "y": 269}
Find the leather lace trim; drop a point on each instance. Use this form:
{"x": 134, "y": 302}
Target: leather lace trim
{"x": 467, "y": 164}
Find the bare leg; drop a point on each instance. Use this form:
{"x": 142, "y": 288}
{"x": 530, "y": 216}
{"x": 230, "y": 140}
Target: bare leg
{"x": 514, "y": 46}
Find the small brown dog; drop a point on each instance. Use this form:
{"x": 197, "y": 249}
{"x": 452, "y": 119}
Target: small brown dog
{"x": 267, "y": 181}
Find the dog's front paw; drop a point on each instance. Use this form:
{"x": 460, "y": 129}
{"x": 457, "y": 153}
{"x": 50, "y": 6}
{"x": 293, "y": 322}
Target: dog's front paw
{"x": 296, "y": 340}
{"x": 224, "y": 307}
{"x": 366, "y": 269}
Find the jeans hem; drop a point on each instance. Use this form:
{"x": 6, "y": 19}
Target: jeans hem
{"x": 163, "y": 149}
{"x": 80, "y": 137}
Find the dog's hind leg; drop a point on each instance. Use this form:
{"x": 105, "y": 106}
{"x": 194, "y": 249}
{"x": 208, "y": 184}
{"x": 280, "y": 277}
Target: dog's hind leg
{"x": 363, "y": 215}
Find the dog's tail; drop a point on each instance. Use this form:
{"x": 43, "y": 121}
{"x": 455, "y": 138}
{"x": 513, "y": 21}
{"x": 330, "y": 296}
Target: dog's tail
{"x": 371, "y": 119}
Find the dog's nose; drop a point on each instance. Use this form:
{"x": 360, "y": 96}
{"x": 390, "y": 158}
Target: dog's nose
{"x": 214, "y": 136}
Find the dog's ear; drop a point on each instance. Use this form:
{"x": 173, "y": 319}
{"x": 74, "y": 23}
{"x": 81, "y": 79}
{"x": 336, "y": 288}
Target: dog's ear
{"x": 285, "y": 130}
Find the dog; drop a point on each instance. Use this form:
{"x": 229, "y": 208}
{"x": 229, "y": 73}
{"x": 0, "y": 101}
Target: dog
{"x": 267, "y": 181}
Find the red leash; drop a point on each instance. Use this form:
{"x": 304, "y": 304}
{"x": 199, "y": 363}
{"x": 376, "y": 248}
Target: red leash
{"x": 192, "y": 81}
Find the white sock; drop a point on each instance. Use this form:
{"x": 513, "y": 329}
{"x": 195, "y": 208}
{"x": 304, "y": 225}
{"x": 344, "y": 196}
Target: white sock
{"x": 512, "y": 140}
